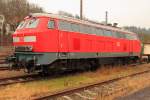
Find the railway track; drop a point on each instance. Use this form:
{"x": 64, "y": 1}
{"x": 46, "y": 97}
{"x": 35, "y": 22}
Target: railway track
{"x": 4, "y": 53}
{"x": 88, "y": 91}
{"x": 3, "y": 64}
{"x": 4, "y": 68}
{"x": 25, "y": 78}
{"x": 19, "y": 79}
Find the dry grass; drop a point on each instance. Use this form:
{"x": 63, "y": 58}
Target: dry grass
{"x": 7, "y": 73}
{"x": 105, "y": 73}
{"x": 129, "y": 86}
{"x": 19, "y": 92}
{"x": 25, "y": 91}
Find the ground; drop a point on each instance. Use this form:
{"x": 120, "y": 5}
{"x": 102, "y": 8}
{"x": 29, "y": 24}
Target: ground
{"x": 53, "y": 84}
{"x": 143, "y": 94}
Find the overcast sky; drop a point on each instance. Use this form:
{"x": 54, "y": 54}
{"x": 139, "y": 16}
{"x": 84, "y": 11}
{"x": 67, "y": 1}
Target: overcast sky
{"x": 124, "y": 12}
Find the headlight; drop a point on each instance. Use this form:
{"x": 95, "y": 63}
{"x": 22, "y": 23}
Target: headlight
{"x": 30, "y": 39}
{"x": 15, "y": 39}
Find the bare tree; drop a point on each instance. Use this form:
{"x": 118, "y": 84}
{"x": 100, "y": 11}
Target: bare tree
{"x": 15, "y": 10}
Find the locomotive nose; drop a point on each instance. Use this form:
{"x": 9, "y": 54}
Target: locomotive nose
{"x": 24, "y": 43}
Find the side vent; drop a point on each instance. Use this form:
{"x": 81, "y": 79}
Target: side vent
{"x": 76, "y": 44}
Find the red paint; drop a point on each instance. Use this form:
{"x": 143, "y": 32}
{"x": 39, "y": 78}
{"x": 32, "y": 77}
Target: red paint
{"x": 54, "y": 40}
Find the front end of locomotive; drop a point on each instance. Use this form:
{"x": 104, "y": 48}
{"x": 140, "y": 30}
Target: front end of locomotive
{"x": 27, "y": 42}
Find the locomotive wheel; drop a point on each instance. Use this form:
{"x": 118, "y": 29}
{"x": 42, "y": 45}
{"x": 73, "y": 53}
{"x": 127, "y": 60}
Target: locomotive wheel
{"x": 45, "y": 70}
{"x": 94, "y": 65}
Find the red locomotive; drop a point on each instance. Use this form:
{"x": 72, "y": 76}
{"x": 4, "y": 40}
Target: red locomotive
{"x": 48, "y": 41}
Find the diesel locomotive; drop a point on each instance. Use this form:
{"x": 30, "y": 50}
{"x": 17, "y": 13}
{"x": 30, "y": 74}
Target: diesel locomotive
{"x": 43, "y": 42}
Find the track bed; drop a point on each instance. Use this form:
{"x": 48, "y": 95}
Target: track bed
{"x": 63, "y": 82}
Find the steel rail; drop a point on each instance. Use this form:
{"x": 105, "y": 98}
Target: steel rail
{"x": 19, "y": 79}
{"x": 4, "y": 68}
{"x": 49, "y": 95}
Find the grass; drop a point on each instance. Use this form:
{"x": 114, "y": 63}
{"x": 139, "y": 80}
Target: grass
{"x": 25, "y": 91}
{"x": 129, "y": 86}
{"x": 60, "y": 83}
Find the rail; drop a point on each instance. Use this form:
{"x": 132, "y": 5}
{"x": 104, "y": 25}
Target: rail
{"x": 69, "y": 91}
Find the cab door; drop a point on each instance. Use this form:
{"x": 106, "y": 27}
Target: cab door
{"x": 63, "y": 41}
{"x": 51, "y": 38}
{"x": 63, "y": 37}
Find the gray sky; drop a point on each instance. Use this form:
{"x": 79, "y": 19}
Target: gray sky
{"x": 124, "y": 12}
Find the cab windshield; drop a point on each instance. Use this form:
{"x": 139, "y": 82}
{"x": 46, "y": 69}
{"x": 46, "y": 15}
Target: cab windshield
{"x": 32, "y": 23}
{"x": 22, "y": 25}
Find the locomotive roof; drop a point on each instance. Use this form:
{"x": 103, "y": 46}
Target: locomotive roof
{"x": 80, "y": 21}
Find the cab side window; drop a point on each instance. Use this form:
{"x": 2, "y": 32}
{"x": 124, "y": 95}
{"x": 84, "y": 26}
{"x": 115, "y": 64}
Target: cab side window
{"x": 51, "y": 24}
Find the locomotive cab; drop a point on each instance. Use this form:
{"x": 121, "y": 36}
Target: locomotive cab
{"x": 30, "y": 42}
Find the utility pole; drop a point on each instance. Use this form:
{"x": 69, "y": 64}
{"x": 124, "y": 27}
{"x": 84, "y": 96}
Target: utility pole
{"x": 106, "y": 17}
{"x": 81, "y": 9}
